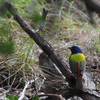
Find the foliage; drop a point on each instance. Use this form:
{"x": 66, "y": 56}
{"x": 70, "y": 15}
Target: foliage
{"x": 97, "y": 45}
{"x": 21, "y": 6}
{"x": 2, "y": 1}
{"x": 35, "y": 98}
{"x": 12, "y": 97}
{"x": 35, "y": 10}
{"x": 6, "y": 42}
{"x": 7, "y": 47}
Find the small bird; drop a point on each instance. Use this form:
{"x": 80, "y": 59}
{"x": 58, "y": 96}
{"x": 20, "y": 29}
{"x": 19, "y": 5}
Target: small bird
{"x": 77, "y": 61}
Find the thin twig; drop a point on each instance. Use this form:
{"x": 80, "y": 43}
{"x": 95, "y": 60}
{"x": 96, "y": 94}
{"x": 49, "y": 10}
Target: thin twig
{"x": 22, "y": 94}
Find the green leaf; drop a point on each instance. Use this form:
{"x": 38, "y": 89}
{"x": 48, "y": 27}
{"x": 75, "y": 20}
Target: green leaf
{"x": 35, "y": 98}
{"x": 2, "y": 1}
{"x": 97, "y": 47}
{"x": 11, "y": 97}
{"x": 7, "y": 47}
{"x": 37, "y": 18}
{"x": 35, "y": 10}
{"x": 8, "y": 14}
{"x": 4, "y": 27}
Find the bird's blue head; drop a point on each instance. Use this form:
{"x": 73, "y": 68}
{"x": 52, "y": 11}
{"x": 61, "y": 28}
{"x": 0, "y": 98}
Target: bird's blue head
{"x": 75, "y": 49}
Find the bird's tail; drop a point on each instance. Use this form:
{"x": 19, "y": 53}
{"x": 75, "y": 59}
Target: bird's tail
{"x": 79, "y": 72}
